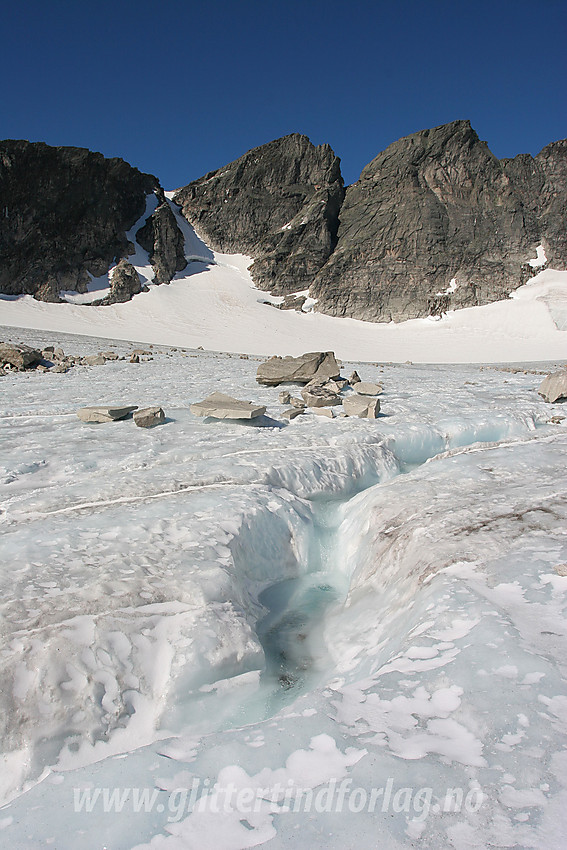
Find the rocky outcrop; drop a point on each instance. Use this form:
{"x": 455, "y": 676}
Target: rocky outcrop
{"x": 65, "y": 212}
{"x": 65, "y": 216}
{"x": 124, "y": 284}
{"x": 436, "y": 222}
{"x": 163, "y": 240}
{"x": 279, "y": 203}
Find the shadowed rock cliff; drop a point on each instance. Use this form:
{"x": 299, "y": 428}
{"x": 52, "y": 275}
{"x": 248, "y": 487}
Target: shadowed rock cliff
{"x": 279, "y": 203}
{"x": 65, "y": 212}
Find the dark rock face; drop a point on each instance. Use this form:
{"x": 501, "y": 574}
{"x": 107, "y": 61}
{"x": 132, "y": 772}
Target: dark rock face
{"x": 63, "y": 212}
{"x": 278, "y": 203}
{"x": 436, "y": 222}
{"x": 541, "y": 183}
{"x": 163, "y": 240}
{"x": 124, "y": 284}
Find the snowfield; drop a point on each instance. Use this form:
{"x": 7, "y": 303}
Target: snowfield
{"x": 345, "y": 633}
{"x": 321, "y": 633}
{"x": 213, "y": 303}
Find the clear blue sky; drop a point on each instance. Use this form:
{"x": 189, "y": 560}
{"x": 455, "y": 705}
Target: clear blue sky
{"x": 180, "y": 87}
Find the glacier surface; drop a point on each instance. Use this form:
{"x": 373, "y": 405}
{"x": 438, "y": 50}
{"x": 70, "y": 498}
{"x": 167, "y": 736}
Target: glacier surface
{"x": 329, "y": 633}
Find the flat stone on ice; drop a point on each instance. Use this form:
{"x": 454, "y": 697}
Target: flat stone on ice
{"x": 367, "y": 388}
{"x": 104, "y": 414}
{"x": 222, "y": 406}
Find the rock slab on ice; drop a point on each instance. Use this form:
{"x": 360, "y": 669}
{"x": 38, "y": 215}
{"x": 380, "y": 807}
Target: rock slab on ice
{"x": 367, "y": 388}
{"x": 221, "y": 406}
{"x": 554, "y": 386}
{"x": 320, "y": 396}
{"x": 301, "y": 370}
{"x": 104, "y": 414}
{"x": 364, "y": 408}
{"x": 149, "y": 416}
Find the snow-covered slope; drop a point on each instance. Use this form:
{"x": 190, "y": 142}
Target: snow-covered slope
{"x": 215, "y": 305}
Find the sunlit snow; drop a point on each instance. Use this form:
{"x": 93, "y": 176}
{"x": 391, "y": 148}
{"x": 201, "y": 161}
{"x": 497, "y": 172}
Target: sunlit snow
{"x": 318, "y": 633}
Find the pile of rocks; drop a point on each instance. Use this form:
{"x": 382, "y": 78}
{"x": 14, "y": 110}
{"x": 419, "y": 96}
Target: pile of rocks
{"x": 322, "y": 393}
{"x": 323, "y": 386}
{"x": 15, "y": 357}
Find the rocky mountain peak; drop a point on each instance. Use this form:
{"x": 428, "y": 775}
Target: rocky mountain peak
{"x": 278, "y": 203}
{"x": 64, "y": 215}
{"x": 436, "y": 221}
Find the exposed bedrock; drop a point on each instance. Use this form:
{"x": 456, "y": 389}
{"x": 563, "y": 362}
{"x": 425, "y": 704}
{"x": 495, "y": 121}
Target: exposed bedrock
{"x": 162, "y": 239}
{"x": 437, "y": 222}
{"x": 64, "y": 213}
{"x": 279, "y": 203}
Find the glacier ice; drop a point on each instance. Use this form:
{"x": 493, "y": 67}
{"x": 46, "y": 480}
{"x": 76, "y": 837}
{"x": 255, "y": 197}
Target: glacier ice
{"x": 372, "y": 609}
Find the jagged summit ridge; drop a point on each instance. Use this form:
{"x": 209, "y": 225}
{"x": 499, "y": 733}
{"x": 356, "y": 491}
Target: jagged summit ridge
{"x": 279, "y": 203}
{"x": 436, "y": 221}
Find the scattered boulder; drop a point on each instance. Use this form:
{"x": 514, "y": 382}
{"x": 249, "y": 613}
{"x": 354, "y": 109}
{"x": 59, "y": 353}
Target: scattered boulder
{"x": 109, "y": 355}
{"x": 149, "y": 416}
{"x": 284, "y": 397}
{"x": 104, "y": 414}
{"x": 319, "y": 396}
{"x": 19, "y": 356}
{"x": 367, "y": 388}
{"x": 135, "y": 358}
{"x": 290, "y": 302}
{"x": 324, "y": 411}
{"x": 94, "y": 360}
{"x": 297, "y": 402}
{"x": 293, "y": 412}
{"x": 221, "y": 406}
{"x": 300, "y": 370}
{"x": 354, "y": 378}
{"x": 554, "y": 386}
{"x": 364, "y": 408}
